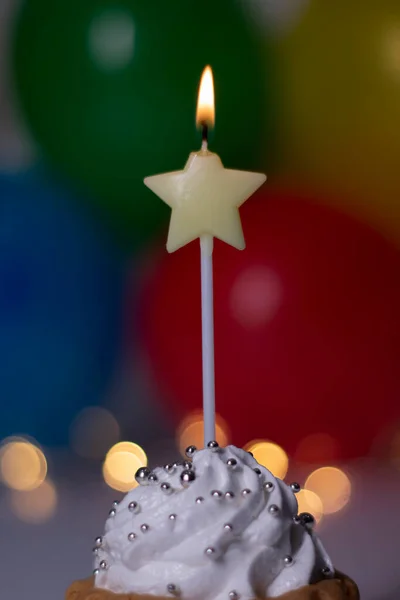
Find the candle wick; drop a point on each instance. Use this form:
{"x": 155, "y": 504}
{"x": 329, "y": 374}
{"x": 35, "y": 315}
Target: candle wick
{"x": 204, "y": 136}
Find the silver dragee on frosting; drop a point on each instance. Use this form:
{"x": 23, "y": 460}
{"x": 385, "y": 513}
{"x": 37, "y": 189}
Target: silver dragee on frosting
{"x": 228, "y": 531}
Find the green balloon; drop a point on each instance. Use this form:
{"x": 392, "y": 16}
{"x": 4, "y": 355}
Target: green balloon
{"x": 109, "y": 91}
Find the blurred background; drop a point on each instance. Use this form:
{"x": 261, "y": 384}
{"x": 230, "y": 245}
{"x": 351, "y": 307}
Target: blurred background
{"x": 100, "y": 351}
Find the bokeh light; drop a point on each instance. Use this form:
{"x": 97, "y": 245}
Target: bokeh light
{"x": 111, "y": 40}
{"x": 310, "y": 502}
{"x": 23, "y": 465}
{"x": 93, "y": 432}
{"x": 35, "y": 506}
{"x": 191, "y": 431}
{"x": 120, "y": 465}
{"x": 317, "y": 448}
{"x": 332, "y": 486}
{"x": 255, "y": 297}
{"x": 270, "y": 455}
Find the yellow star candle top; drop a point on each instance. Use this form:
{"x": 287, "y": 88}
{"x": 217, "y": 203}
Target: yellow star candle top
{"x": 205, "y": 197}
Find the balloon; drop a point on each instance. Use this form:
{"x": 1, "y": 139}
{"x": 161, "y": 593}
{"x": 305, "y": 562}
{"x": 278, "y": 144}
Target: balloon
{"x": 60, "y": 290}
{"x": 109, "y": 92}
{"x": 307, "y": 328}
{"x": 340, "y": 76}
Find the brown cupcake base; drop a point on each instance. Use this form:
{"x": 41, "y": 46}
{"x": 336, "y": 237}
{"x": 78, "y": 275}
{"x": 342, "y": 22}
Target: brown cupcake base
{"x": 339, "y": 588}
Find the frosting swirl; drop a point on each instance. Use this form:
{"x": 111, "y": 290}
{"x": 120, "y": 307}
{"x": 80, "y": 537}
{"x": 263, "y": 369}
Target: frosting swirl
{"x": 222, "y": 529}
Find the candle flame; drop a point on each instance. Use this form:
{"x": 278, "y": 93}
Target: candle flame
{"x": 205, "y": 114}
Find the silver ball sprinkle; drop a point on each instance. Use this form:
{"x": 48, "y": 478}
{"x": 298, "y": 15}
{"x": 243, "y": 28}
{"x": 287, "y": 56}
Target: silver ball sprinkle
{"x": 190, "y": 451}
{"x": 295, "y": 487}
{"x": 112, "y": 512}
{"x": 115, "y": 503}
{"x": 166, "y": 487}
{"x": 144, "y": 528}
{"x": 273, "y": 509}
{"x": 152, "y": 478}
{"x": 231, "y": 462}
{"x": 172, "y": 517}
{"x": 268, "y": 486}
{"x": 169, "y": 468}
{"x": 103, "y": 565}
{"x": 216, "y": 494}
{"x": 288, "y": 560}
{"x": 326, "y": 571}
{"x": 257, "y": 471}
{"x": 131, "y": 536}
{"x": 228, "y": 527}
{"x": 142, "y": 475}
{"x": 187, "y": 464}
{"x": 199, "y": 500}
{"x": 172, "y": 588}
{"x": 296, "y": 520}
{"x": 229, "y": 495}
{"x": 96, "y": 550}
{"x": 177, "y": 463}
{"x": 187, "y": 477}
{"x": 213, "y": 445}
{"x": 133, "y": 507}
{"x": 98, "y": 541}
{"x": 210, "y": 551}
{"x": 246, "y": 492}
{"x": 233, "y": 595}
{"x": 96, "y": 572}
{"x": 307, "y": 520}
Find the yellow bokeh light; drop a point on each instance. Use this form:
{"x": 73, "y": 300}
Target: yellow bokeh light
{"x": 23, "y": 465}
{"x": 310, "y": 502}
{"x": 269, "y": 455}
{"x": 93, "y": 431}
{"x": 191, "y": 432}
{"x": 332, "y": 486}
{"x": 120, "y": 465}
{"x": 35, "y": 506}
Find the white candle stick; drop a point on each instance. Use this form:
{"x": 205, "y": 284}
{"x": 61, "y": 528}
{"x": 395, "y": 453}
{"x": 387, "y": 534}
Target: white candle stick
{"x": 205, "y": 198}
{"x": 207, "y": 328}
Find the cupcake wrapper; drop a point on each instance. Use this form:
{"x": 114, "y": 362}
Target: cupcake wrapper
{"x": 339, "y": 588}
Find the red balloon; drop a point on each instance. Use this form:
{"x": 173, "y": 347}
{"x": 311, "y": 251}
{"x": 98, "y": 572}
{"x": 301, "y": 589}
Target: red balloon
{"x": 307, "y": 327}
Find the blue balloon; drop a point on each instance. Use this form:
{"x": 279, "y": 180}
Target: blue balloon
{"x": 61, "y": 280}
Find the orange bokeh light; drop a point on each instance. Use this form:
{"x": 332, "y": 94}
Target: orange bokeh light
{"x": 310, "y": 502}
{"x": 317, "y": 448}
{"x": 35, "y": 506}
{"x": 269, "y": 455}
{"x": 23, "y": 465}
{"x": 332, "y": 486}
{"x": 120, "y": 465}
{"x": 191, "y": 432}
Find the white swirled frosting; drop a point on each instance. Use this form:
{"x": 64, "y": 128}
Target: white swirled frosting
{"x": 230, "y": 533}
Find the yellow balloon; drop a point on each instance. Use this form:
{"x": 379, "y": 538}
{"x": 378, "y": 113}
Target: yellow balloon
{"x": 340, "y": 109}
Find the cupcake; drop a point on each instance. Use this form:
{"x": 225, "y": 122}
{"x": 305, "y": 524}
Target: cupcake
{"x": 217, "y": 527}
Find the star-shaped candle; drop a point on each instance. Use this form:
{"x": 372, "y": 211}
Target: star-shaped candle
{"x": 205, "y": 199}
